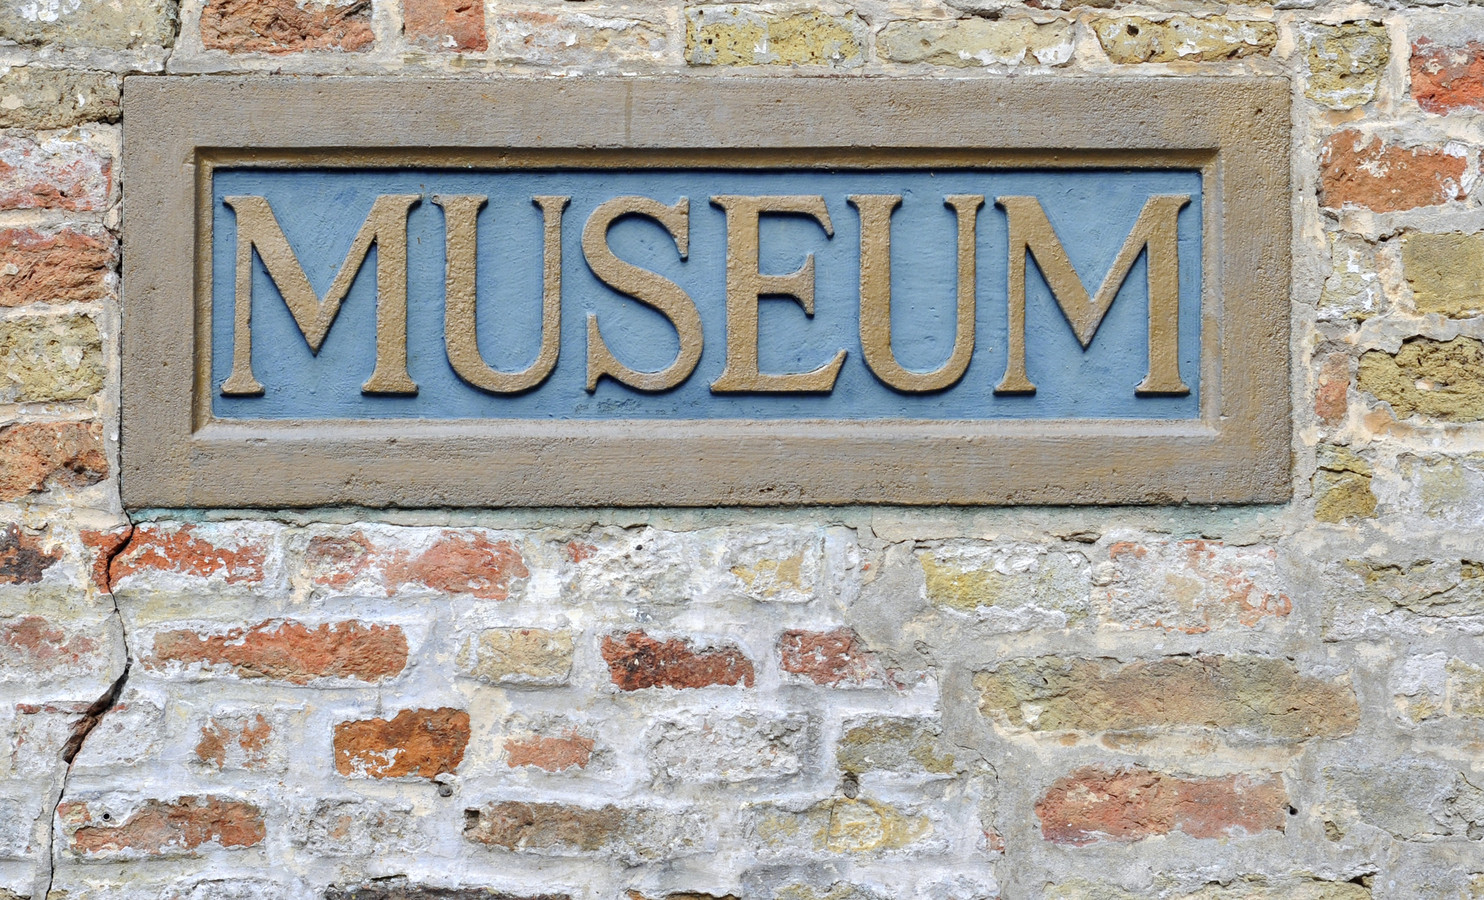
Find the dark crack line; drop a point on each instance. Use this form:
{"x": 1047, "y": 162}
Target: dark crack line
{"x": 91, "y": 717}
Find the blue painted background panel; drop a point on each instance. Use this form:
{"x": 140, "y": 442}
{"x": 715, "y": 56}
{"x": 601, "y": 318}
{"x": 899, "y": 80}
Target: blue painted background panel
{"x": 1092, "y": 211}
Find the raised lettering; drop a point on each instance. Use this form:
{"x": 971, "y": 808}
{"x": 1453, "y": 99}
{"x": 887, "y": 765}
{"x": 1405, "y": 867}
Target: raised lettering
{"x": 875, "y": 324}
{"x": 745, "y": 285}
{"x": 645, "y": 286}
{"x": 1031, "y": 232}
{"x": 386, "y": 227}
{"x": 460, "y": 338}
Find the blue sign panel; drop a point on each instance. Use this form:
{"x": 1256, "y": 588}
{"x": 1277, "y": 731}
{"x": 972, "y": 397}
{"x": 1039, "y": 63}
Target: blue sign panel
{"x": 1083, "y": 360}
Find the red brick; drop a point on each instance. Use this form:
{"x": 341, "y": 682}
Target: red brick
{"x": 22, "y": 559}
{"x": 1357, "y": 170}
{"x": 1099, "y": 804}
{"x": 416, "y": 742}
{"x": 42, "y": 455}
{"x": 105, "y": 545}
{"x": 160, "y": 827}
{"x": 1332, "y": 394}
{"x": 1445, "y": 78}
{"x": 445, "y": 24}
{"x": 54, "y": 174}
{"x": 291, "y": 651}
{"x": 175, "y": 549}
{"x": 285, "y": 26}
{"x": 34, "y": 642}
{"x": 464, "y": 563}
{"x": 554, "y": 754}
{"x": 60, "y": 265}
{"x": 828, "y": 657}
{"x": 639, "y": 661}
{"x": 235, "y": 742}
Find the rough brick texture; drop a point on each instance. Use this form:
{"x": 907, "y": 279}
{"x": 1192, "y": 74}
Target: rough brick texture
{"x": 1277, "y": 702}
{"x": 1096, "y": 804}
{"x": 283, "y": 26}
{"x": 418, "y": 742}
{"x": 55, "y": 265}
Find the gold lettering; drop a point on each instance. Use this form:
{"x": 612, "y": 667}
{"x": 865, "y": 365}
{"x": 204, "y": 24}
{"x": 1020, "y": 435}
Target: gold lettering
{"x": 1030, "y": 231}
{"x": 645, "y": 286}
{"x": 460, "y": 338}
{"x": 746, "y": 285}
{"x": 386, "y": 227}
{"x": 875, "y": 325}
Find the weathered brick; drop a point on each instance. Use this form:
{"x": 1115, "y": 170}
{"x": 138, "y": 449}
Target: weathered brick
{"x": 1192, "y": 586}
{"x": 1342, "y": 485}
{"x": 841, "y": 825}
{"x": 1445, "y": 272}
{"x": 730, "y": 749}
{"x": 1448, "y": 77}
{"x": 519, "y": 656}
{"x": 834, "y": 658}
{"x": 1354, "y": 289}
{"x": 1251, "y": 887}
{"x": 1359, "y": 170}
{"x": 1435, "y": 588}
{"x": 1448, "y": 489}
{"x": 1016, "y": 585}
{"x": 903, "y": 746}
{"x": 559, "y": 37}
{"x": 287, "y": 650}
{"x": 1099, "y": 804}
{"x": 1332, "y": 388}
{"x": 1412, "y": 798}
{"x": 42, "y": 455}
{"x": 23, "y": 559}
{"x": 33, "y": 97}
{"x": 752, "y": 36}
{"x": 1438, "y": 686}
{"x": 453, "y": 562}
{"x": 50, "y": 360}
{"x": 1442, "y": 380}
{"x": 1138, "y": 40}
{"x": 239, "y": 741}
{"x": 357, "y": 827}
{"x": 421, "y": 743}
{"x": 105, "y": 24}
{"x": 1232, "y": 696}
{"x": 637, "y": 661}
{"x": 554, "y": 753}
{"x": 398, "y": 887}
{"x": 978, "y": 42}
{"x": 104, "y": 545}
{"x": 159, "y": 549}
{"x": 161, "y": 827}
{"x": 33, "y": 647}
{"x": 838, "y": 890}
{"x": 286, "y": 26}
{"x": 445, "y": 24}
{"x": 632, "y": 834}
{"x": 69, "y": 264}
{"x": 53, "y": 173}
{"x": 1346, "y": 63}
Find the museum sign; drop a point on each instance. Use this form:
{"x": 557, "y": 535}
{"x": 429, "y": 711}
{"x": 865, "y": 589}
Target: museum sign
{"x": 574, "y": 292}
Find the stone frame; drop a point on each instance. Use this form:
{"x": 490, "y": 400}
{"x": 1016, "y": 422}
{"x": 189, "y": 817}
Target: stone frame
{"x": 1235, "y": 129}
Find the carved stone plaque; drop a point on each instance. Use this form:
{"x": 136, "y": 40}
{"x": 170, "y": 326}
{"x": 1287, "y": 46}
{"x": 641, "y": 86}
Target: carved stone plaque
{"x": 728, "y": 292}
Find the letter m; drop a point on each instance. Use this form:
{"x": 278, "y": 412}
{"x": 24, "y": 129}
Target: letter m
{"x": 386, "y": 227}
{"x": 1031, "y": 232}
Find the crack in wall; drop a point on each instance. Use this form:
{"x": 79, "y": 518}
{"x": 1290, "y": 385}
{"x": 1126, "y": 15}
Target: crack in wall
{"x": 90, "y": 719}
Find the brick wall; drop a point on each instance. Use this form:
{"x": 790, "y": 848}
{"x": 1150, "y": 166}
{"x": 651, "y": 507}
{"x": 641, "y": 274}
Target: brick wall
{"x": 1098, "y": 704}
